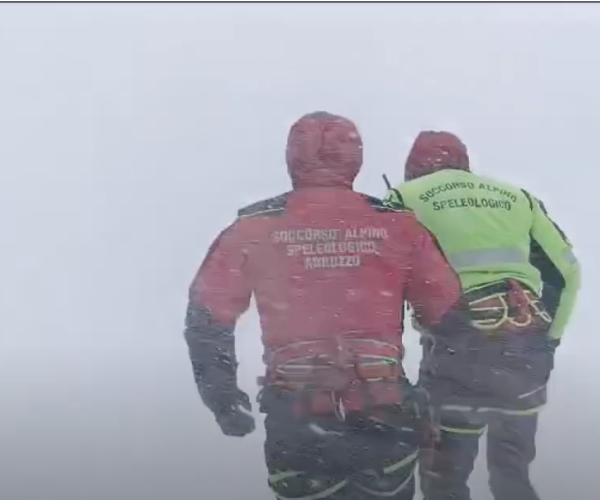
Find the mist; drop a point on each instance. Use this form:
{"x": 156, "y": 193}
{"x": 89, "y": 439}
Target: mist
{"x": 130, "y": 135}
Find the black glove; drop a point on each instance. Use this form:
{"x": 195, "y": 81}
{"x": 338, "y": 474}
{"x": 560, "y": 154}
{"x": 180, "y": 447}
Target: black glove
{"x": 234, "y": 414}
{"x": 212, "y": 352}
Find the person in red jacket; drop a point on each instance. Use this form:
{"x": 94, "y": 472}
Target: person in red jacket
{"x": 330, "y": 270}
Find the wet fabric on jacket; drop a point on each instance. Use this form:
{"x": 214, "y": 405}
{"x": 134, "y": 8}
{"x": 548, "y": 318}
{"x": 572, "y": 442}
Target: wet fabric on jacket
{"x": 521, "y": 279}
{"x": 330, "y": 270}
{"x": 515, "y": 237}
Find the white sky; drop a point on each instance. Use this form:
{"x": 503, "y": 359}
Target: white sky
{"x": 130, "y": 134}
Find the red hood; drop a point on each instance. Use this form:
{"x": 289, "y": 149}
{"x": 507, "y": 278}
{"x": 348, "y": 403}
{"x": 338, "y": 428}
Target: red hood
{"x": 323, "y": 150}
{"x": 433, "y": 151}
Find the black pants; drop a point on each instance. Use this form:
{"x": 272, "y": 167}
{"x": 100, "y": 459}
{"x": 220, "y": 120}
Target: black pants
{"x": 353, "y": 459}
{"x": 474, "y": 390}
{"x": 510, "y": 451}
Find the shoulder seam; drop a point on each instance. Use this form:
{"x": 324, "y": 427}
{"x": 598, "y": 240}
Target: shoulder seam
{"x": 554, "y": 223}
{"x": 268, "y": 207}
{"x": 242, "y": 214}
{"x": 526, "y": 193}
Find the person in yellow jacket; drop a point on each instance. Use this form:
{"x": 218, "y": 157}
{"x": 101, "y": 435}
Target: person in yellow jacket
{"x": 521, "y": 278}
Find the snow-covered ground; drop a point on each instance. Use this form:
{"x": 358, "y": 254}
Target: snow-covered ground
{"x": 130, "y": 134}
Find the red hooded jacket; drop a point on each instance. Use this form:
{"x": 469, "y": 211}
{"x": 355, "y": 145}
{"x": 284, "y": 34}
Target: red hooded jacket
{"x": 330, "y": 268}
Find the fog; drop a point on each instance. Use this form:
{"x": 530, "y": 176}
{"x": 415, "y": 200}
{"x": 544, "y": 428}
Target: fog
{"x": 129, "y": 136}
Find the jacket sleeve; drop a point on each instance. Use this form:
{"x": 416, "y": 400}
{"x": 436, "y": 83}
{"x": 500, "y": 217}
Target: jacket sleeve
{"x": 218, "y": 296}
{"x": 433, "y": 288}
{"x": 552, "y": 254}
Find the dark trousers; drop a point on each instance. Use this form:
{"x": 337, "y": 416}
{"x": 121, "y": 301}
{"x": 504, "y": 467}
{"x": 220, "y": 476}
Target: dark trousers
{"x": 510, "y": 451}
{"x": 471, "y": 389}
{"x": 488, "y": 376}
{"x": 324, "y": 457}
